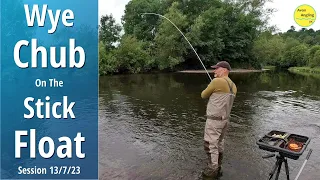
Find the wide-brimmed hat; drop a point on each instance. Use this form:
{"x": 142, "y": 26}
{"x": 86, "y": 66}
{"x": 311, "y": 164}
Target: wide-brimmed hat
{"x": 223, "y": 64}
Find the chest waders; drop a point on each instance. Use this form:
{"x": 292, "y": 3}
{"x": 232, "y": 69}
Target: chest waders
{"x": 218, "y": 115}
{"x": 231, "y": 98}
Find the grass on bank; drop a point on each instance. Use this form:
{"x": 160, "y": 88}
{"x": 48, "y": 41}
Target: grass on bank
{"x": 307, "y": 71}
{"x": 269, "y": 67}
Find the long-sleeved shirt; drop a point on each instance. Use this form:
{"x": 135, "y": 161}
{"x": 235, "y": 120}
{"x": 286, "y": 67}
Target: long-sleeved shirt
{"x": 220, "y": 98}
{"x": 219, "y": 85}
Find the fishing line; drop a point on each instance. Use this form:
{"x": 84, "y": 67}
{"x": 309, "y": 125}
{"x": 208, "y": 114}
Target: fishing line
{"x": 184, "y": 38}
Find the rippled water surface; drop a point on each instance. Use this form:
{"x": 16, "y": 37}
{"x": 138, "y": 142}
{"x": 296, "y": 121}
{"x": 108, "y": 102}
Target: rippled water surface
{"x": 151, "y": 125}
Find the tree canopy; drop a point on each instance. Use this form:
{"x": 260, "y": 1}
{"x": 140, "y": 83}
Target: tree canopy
{"x": 236, "y": 31}
{"x": 289, "y": 49}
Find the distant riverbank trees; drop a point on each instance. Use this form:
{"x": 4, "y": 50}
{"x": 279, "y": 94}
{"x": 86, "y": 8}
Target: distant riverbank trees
{"x": 236, "y": 31}
{"x": 290, "y": 49}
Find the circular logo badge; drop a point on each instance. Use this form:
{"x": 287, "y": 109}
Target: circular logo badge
{"x": 305, "y": 15}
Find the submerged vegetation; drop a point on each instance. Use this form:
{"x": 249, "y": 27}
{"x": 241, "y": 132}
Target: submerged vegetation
{"x": 236, "y": 31}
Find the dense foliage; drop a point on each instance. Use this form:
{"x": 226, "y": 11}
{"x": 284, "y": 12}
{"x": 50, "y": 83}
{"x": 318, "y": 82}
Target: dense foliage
{"x": 289, "y": 49}
{"x": 230, "y": 30}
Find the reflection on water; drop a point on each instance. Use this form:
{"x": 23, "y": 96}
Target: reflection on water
{"x": 151, "y": 125}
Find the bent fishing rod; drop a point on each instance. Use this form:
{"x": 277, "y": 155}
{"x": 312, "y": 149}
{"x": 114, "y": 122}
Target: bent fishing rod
{"x": 184, "y": 38}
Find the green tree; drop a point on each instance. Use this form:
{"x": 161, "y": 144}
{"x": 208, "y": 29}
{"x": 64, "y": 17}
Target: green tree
{"x": 109, "y": 32}
{"x": 170, "y": 44}
{"x": 317, "y": 39}
{"x": 238, "y": 35}
{"x": 192, "y": 9}
{"x": 217, "y": 29}
{"x": 312, "y": 52}
{"x": 108, "y": 63}
{"x": 292, "y": 29}
{"x": 315, "y": 61}
{"x": 209, "y": 45}
{"x": 269, "y": 50}
{"x": 132, "y": 56}
{"x": 291, "y": 42}
{"x": 143, "y": 27}
{"x": 227, "y": 31}
{"x": 295, "y": 56}
{"x": 257, "y": 9}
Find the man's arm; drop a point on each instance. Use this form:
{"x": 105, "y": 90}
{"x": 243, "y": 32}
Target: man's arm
{"x": 209, "y": 90}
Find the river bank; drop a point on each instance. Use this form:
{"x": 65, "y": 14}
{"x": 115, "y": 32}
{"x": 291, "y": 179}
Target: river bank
{"x": 307, "y": 71}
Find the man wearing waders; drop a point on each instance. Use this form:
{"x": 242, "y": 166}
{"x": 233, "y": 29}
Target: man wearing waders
{"x": 221, "y": 93}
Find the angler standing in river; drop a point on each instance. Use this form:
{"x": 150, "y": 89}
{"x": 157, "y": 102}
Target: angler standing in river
{"x": 221, "y": 93}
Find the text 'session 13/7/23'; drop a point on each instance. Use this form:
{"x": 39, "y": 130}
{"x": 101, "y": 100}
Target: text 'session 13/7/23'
{"x": 54, "y": 170}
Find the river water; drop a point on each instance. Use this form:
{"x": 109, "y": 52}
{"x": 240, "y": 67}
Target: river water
{"x": 151, "y": 125}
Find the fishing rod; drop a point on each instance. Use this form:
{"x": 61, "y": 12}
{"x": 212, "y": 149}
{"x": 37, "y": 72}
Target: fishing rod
{"x": 184, "y": 38}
